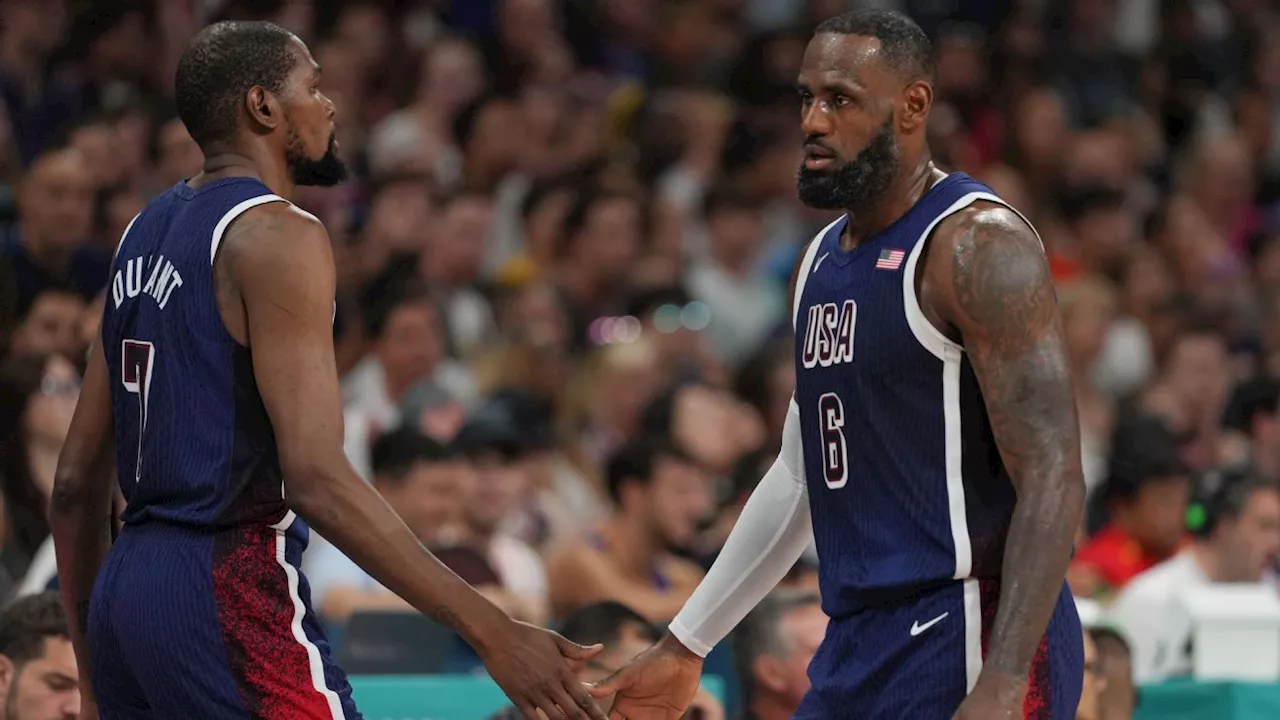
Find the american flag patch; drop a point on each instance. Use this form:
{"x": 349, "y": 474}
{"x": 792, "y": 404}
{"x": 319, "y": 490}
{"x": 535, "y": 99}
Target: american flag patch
{"x": 890, "y": 259}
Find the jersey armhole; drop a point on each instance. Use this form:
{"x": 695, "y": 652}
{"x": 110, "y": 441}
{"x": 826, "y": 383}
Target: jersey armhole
{"x": 229, "y": 216}
{"x": 928, "y": 335}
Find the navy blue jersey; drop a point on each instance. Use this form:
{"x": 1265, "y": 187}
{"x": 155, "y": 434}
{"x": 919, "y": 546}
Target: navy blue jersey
{"x": 906, "y": 485}
{"x": 193, "y": 441}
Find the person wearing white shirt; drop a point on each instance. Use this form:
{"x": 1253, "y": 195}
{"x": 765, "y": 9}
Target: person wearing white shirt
{"x": 1237, "y": 526}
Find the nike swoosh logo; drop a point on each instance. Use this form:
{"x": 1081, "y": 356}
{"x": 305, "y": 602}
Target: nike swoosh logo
{"x": 819, "y": 263}
{"x": 917, "y": 628}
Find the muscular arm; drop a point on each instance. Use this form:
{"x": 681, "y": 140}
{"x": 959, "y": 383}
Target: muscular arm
{"x": 990, "y": 281}
{"x": 281, "y": 262}
{"x": 80, "y": 509}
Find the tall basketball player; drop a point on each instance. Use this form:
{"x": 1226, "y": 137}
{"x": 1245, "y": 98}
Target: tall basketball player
{"x": 932, "y": 446}
{"x": 215, "y": 387}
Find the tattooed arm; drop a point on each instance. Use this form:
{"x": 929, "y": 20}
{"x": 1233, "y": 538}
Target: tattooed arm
{"x": 990, "y": 282}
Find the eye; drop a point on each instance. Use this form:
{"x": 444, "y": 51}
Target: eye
{"x": 806, "y": 98}
{"x": 842, "y": 101}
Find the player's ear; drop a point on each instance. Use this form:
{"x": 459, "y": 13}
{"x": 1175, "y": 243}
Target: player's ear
{"x": 263, "y": 107}
{"x": 6, "y": 676}
{"x": 917, "y": 99}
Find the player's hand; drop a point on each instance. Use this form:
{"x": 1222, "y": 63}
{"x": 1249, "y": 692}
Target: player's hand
{"x": 994, "y": 697}
{"x": 535, "y": 668}
{"x": 658, "y": 685}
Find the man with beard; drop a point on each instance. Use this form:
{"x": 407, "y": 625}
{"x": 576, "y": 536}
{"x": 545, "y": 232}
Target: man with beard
{"x": 37, "y": 666}
{"x": 932, "y": 447}
{"x": 214, "y": 387}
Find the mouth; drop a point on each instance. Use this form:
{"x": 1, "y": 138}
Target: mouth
{"x": 818, "y": 158}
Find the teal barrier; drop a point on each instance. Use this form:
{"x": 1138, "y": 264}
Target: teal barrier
{"x": 441, "y": 697}
{"x": 1189, "y": 700}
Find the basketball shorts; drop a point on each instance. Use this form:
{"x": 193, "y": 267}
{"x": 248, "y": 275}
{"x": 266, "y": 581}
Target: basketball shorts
{"x": 917, "y": 660}
{"x": 210, "y": 625}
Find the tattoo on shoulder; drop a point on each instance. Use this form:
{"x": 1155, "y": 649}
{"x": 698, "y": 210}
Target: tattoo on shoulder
{"x": 1013, "y": 337}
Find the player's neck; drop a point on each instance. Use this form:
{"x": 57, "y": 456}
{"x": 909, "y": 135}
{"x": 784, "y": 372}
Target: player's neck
{"x": 905, "y": 190}
{"x": 221, "y": 163}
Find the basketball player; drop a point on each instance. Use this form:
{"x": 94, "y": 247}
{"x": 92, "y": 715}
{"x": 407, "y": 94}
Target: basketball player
{"x": 933, "y": 430}
{"x": 215, "y": 388}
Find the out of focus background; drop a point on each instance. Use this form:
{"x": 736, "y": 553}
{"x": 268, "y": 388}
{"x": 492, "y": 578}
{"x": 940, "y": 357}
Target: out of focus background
{"x": 562, "y": 322}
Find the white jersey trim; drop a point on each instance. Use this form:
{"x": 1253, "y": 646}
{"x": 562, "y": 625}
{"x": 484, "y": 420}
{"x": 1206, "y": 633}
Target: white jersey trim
{"x": 221, "y": 228}
{"x": 972, "y": 633}
{"x": 299, "y": 611}
{"x": 116, "y": 253}
{"x": 951, "y": 354}
{"x": 806, "y": 267}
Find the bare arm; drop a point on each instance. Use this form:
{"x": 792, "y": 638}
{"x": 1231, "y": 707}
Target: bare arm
{"x": 580, "y": 576}
{"x": 991, "y": 282}
{"x": 281, "y": 262}
{"x": 80, "y": 509}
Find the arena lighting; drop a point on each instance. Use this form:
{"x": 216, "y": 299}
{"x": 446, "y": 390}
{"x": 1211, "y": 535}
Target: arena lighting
{"x": 669, "y": 318}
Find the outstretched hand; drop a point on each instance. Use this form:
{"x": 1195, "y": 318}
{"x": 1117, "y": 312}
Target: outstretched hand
{"x": 658, "y": 685}
{"x": 535, "y": 668}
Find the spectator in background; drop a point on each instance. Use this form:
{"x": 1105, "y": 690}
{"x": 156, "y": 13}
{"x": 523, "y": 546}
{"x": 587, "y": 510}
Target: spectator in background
{"x": 1144, "y": 503}
{"x": 51, "y": 325}
{"x": 38, "y": 394}
{"x": 1237, "y": 527}
{"x": 49, "y": 246}
{"x": 602, "y": 237}
{"x": 1189, "y": 393}
{"x": 1095, "y": 683}
{"x": 1088, "y": 306}
{"x": 1251, "y": 427}
{"x": 38, "y": 675}
{"x": 427, "y": 484}
{"x": 174, "y": 154}
{"x": 661, "y": 496}
{"x": 745, "y": 307}
{"x": 492, "y": 440}
{"x": 624, "y": 634}
{"x": 772, "y": 650}
{"x": 450, "y": 263}
{"x": 1119, "y": 697}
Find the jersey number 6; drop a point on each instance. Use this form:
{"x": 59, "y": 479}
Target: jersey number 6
{"x": 137, "y": 357}
{"x": 835, "y": 452}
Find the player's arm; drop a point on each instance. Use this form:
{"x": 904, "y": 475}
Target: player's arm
{"x": 281, "y": 263}
{"x": 772, "y": 532}
{"x": 80, "y": 509}
{"x": 988, "y": 277}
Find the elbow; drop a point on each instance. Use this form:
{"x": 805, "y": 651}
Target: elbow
{"x": 309, "y": 488}
{"x": 70, "y": 492}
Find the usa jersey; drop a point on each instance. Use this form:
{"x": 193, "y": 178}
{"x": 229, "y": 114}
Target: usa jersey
{"x": 906, "y": 485}
{"x": 194, "y": 443}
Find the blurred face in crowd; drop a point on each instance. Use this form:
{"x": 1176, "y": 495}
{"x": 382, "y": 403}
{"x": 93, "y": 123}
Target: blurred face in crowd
{"x": 98, "y": 143}
{"x": 431, "y": 497}
{"x": 457, "y": 245}
{"x": 452, "y": 76}
{"x": 1250, "y": 543}
{"x": 847, "y": 117}
{"x": 45, "y": 687}
{"x": 736, "y": 234}
{"x": 411, "y": 343}
{"x": 1106, "y": 235}
{"x": 1197, "y": 371}
{"x": 1094, "y": 681}
{"x": 51, "y": 325}
{"x": 610, "y": 240}
{"x": 49, "y": 411}
{"x": 739, "y": 427}
{"x": 544, "y": 223}
{"x": 1040, "y": 129}
{"x": 179, "y": 156}
{"x": 626, "y": 381}
{"x": 1156, "y": 516}
{"x": 1087, "y": 312}
{"x": 400, "y": 216}
{"x": 1146, "y": 281}
{"x": 785, "y": 676}
{"x": 56, "y": 202}
{"x": 673, "y": 503}
{"x": 1117, "y": 697}
{"x": 364, "y": 28}
{"x": 499, "y": 487}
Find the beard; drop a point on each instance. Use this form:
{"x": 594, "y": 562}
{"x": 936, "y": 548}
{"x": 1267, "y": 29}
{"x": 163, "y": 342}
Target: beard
{"x": 327, "y": 171}
{"x": 856, "y": 184}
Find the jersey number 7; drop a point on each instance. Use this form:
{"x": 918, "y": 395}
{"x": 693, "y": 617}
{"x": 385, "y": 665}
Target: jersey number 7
{"x": 137, "y": 357}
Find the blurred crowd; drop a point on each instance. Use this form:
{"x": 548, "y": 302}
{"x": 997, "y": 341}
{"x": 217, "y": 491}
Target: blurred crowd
{"x": 563, "y": 258}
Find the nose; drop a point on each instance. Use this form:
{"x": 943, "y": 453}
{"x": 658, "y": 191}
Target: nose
{"x": 815, "y": 120}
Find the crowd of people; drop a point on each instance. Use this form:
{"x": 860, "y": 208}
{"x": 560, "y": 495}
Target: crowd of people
{"x": 562, "y": 322}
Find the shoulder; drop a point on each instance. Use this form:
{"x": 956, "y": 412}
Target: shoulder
{"x": 985, "y": 227}
{"x": 275, "y": 230}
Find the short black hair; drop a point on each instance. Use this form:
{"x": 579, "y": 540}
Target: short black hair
{"x": 580, "y": 214}
{"x": 635, "y": 460}
{"x": 760, "y": 634}
{"x": 221, "y": 63}
{"x": 26, "y": 623}
{"x": 394, "y": 287}
{"x": 396, "y": 452}
{"x": 603, "y": 623}
{"x": 1249, "y": 399}
{"x": 1222, "y": 495}
{"x": 902, "y": 43}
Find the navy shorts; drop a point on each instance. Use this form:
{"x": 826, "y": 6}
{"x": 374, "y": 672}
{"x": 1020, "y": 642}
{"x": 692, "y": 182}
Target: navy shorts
{"x": 217, "y": 625}
{"x": 917, "y": 660}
